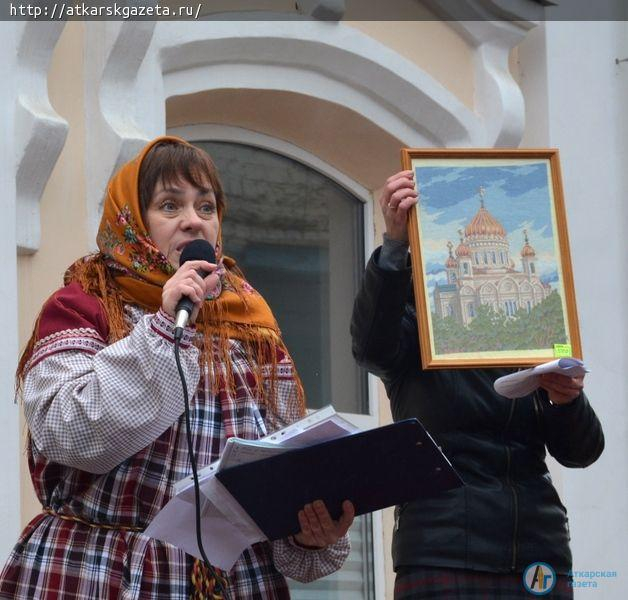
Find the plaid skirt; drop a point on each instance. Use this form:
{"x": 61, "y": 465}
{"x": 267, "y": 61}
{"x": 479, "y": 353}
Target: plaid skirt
{"x": 423, "y": 583}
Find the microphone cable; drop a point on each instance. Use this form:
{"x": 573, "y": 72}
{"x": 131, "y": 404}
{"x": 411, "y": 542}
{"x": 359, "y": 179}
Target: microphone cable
{"x": 219, "y": 582}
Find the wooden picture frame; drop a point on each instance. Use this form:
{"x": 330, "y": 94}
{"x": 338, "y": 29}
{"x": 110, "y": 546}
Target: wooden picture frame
{"x": 490, "y": 258}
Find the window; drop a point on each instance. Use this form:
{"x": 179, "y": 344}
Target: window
{"x": 511, "y": 307}
{"x": 531, "y": 267}
{"x": 286, "y": 225}
{"x": 299, "y": 239}
{"x": 470, "y": 310}
{"x": 355, "y": 580}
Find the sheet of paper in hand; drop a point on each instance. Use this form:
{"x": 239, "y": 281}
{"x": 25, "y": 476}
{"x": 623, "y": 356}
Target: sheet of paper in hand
{"x": 525, "y": 382}
{"x": 222, "y": 518}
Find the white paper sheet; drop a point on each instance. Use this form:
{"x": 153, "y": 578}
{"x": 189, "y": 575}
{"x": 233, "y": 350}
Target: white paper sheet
{"x": 223, "y": 542}
{"x": 525, "y": 382}
{"x": 226, "y": 528}
{"x": 240, "y": 452}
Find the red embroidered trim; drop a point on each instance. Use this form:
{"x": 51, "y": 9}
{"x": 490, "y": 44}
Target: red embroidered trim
{"x": 84, "y": 339}
{"x": 163, "y": 325}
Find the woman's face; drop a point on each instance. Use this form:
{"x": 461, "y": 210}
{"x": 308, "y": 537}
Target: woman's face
{"x": 179, "y": 213}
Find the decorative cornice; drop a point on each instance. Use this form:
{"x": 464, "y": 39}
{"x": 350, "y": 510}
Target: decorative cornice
{"x": 494, "y": 28}
{"x": 332, "y": 62}
{"x": 116, "y": 127}
{"x": 40, "y": 132}
{"x": 143, "y": 64}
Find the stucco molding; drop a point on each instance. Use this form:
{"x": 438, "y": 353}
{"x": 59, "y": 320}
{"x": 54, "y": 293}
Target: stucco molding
{"x": 494, "y": 28}
{"x": 240, "y": 135}
{"x": 329, "y": 61}
{"x": 116, "y": 124}
{"x": 498, "y": 97}
{"x": 40, "y": 132}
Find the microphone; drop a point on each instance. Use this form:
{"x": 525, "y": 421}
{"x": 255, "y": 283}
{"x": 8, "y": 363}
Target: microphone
{"x": 195, "y": 250}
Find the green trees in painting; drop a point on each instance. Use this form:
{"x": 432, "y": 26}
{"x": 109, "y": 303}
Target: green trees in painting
{"x": 492, "y": 331}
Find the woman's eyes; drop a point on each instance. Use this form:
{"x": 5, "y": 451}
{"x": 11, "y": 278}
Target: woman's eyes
{"x": 168, "y": 205}
{"x": 204, "y": 208}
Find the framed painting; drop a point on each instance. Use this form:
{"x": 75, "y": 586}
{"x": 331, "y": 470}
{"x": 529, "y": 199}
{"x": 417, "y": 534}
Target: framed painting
{"x": 490, "y": 258}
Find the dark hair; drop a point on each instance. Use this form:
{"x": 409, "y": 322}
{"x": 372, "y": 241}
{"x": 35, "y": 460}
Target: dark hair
{"x": 170, "y": 162}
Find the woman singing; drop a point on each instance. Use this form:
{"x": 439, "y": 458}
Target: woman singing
{"x": 104, "y": 404}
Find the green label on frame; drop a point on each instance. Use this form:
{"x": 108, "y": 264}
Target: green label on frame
{"x": 562, "y": 350}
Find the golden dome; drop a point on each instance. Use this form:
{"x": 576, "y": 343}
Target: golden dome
{"x": 462, "y": 249}
{"x": 527, "y": 250}
{"x": 484, "y": 224}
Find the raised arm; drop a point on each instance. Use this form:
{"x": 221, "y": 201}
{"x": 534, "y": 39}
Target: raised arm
{"x": 378, "y": 329}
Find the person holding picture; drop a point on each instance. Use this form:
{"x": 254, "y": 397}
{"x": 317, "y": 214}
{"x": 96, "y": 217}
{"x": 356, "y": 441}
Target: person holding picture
{"x": 477, "y": 540}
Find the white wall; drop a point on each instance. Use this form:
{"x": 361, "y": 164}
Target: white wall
{"x": 9, "y": 439}
{"x": 576, "y": 100}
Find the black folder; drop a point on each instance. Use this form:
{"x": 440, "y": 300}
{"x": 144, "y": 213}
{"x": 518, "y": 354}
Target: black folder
{"x": 374, "y": 469}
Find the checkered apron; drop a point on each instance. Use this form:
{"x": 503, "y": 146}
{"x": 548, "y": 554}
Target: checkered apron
{"x": 88, "y": 542}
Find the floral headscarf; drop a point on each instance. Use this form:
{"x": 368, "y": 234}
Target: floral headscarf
{"x": 130, "y": 269}
{"x": 141, "y": 269}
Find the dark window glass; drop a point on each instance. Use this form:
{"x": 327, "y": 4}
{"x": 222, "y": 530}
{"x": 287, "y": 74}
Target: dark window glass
{"x": 299, "y": 238}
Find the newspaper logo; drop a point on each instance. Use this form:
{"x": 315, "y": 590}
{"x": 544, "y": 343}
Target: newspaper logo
{"x": 539, "y": 578}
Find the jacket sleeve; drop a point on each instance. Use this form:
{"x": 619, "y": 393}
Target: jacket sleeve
{"x": 382, "y": 340}
{"x": 573, "y": 433}
{"x": 90, "y": 405}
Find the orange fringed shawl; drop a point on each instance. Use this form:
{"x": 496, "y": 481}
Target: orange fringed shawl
{"x": 129, "y": 268}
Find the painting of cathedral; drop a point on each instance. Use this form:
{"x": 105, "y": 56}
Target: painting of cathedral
{"x": 481, "y": 270}
{"x": 491, "y": 267}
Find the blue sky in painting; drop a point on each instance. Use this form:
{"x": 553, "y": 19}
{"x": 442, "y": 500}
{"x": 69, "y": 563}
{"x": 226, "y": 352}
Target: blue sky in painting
{"x": 516, "y": 194}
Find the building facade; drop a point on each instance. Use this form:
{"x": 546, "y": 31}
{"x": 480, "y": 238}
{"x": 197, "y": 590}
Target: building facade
{"x": 339, "y": 95}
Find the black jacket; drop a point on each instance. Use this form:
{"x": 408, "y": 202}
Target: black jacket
{"x": 508, "y": 514}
